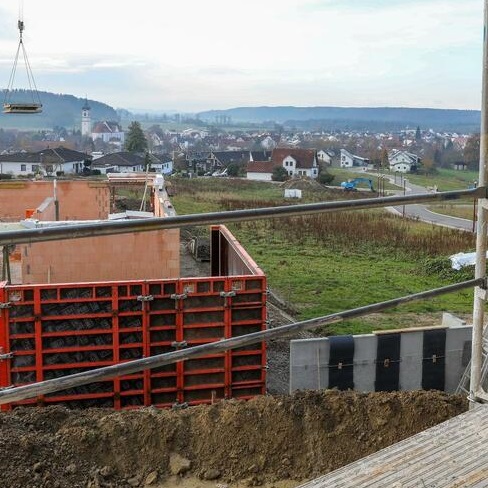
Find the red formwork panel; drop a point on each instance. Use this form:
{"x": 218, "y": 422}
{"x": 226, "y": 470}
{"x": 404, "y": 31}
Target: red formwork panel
{"x": 47, "y": 331}
{"x": 248, "y": 312}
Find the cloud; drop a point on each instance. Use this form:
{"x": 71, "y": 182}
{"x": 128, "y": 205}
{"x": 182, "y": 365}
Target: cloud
{"x": 217, "y": 52}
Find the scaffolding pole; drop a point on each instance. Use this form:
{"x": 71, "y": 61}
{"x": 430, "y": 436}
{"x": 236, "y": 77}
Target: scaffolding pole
{"x": 20, "y": 393}
{"x": 75, "y": 231}
{"x": 476, "y": 393}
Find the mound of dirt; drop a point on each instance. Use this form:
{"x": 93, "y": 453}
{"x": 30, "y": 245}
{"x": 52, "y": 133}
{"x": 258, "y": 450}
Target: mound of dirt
{"x": 263, "y": 440}
{"x": 302, "y": 184}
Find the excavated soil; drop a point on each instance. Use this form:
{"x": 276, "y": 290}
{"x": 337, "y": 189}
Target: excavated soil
{"x": 272, "y": 440}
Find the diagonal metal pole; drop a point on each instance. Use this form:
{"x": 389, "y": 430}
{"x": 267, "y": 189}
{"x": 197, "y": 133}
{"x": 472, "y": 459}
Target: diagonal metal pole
{"x": 58, "y": 384}
{"x": 476, "y": 393}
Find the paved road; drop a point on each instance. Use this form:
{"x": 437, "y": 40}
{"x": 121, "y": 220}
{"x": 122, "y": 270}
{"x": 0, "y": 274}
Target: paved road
{"x": 421, "y": 212}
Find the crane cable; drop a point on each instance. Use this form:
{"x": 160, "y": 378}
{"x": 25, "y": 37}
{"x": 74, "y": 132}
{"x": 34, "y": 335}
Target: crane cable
{"x": 30, "y": 77}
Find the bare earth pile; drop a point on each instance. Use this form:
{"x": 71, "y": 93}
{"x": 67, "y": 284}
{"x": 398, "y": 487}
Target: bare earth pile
{"x": 263, "y": 440}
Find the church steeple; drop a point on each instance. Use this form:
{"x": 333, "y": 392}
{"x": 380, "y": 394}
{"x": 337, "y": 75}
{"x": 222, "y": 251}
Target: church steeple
{"x": 86, "y": 119}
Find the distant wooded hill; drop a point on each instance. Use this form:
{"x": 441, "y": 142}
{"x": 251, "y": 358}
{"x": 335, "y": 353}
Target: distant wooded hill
{"x": 58, "y": 110}
{"x": 330, "y": 118}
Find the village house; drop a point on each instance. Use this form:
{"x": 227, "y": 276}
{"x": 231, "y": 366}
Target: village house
{"x": 297, "y": 163}
{"x": 126, "y": 162}
{"x": 46, "y": 162}
{"x": 120, "y": 162}
{"x": 219, "y": 160}
{"x": 403, "y": 161}
{"x": 348, "y": 160}
{"x": 325, "y": 156}
{"x": 260, "y": 170}
{"x": 108, "y": 132}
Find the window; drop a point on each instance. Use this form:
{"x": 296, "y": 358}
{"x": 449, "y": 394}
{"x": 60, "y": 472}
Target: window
{"x": 35, "y": 168}
{"x": 23, "y": 167}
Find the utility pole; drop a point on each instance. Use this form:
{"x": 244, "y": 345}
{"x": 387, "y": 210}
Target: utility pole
{"x": 404, "y": 193}
{"x": 475, "y": 391}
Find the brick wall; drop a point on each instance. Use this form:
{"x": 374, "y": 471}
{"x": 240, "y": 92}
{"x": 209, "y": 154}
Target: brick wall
{"x": 144, "y": 255}
{"x": 78, "y": 200}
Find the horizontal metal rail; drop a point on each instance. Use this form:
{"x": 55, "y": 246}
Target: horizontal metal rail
{"x": 108, "y": 372}
{"x": 30, "y": 236}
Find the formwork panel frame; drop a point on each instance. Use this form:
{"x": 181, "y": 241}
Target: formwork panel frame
{"x": 62, "y": 329}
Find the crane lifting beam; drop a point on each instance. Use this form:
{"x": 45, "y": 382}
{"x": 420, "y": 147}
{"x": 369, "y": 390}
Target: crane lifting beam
{"x": 32, "y": 106}
{"x": 22, "y": 108}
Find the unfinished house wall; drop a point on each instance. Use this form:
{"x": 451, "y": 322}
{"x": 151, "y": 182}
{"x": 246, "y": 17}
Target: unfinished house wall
{"x": 78, "y": 200}
{"x": 147, "y": 255}
{"x": 137, "y": 256}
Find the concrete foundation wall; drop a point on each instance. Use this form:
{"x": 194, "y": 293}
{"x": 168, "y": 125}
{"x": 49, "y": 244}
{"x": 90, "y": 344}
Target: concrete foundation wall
{"x": 309, "y": 360}
{"x": 78, "y": 200}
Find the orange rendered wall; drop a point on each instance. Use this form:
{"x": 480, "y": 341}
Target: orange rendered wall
{"x": 78, "y": 200}
{"x": 143, "y": 255}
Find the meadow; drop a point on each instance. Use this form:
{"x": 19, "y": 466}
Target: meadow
{"x": 330, "y": 262}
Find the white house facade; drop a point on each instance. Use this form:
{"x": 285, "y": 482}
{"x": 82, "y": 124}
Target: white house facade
{"x": 403, "y": 161}
{"x": 162, "y": 163}
{"x": 46, "y": 162}
{"x": 297, "y": 162}
{"x": 324, "y": 157}
{"x": 349, "y": 160}
{"x": 109, "y": 132}
{"x": 260, "y": 170}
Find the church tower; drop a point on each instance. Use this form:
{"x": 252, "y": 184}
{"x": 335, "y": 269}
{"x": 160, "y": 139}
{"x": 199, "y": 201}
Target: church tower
{"x": 85, "y": 120}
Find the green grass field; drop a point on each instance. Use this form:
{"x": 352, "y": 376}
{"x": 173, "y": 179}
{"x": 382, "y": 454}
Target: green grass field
{"x": 337, "y": 261}
{"x": 446, "y": 179}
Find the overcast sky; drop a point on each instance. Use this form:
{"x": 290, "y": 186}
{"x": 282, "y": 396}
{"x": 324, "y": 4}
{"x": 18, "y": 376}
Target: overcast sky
{"x": 192, "y": 55}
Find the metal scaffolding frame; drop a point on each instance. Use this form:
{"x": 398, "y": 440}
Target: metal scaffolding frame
{"x": 476, "y": 392}
{"x": 113, "y": 227}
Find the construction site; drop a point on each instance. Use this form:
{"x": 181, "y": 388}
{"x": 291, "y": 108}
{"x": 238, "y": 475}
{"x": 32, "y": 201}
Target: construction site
{"x": 133, "y": 356}
{"x": 126, "y": 361}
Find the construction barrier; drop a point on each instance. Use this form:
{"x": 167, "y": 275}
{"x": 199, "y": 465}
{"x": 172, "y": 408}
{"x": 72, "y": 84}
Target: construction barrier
{"x": 48, "y": 331}
{"x": 411, "y": 359}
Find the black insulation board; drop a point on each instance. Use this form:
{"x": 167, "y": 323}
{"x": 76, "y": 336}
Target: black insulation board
{"x": 433, "y": 369}
{"x": 341, "y": 368}
{"x": 388, "y": 362}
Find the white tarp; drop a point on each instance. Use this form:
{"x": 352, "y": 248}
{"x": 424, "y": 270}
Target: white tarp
{"x": 293, "y": 193}
{"x": 462, "y": 259}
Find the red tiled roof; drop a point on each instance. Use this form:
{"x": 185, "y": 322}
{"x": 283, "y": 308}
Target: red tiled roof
{"x": 260, "y": 166}
{"x": 106, "y": 127}
{"x": 303, "y": 157}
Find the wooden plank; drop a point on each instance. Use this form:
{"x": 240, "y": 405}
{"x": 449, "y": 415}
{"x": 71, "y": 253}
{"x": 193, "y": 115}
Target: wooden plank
{"x": 450, "y": 455}
{"x": 409, "y": 329}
